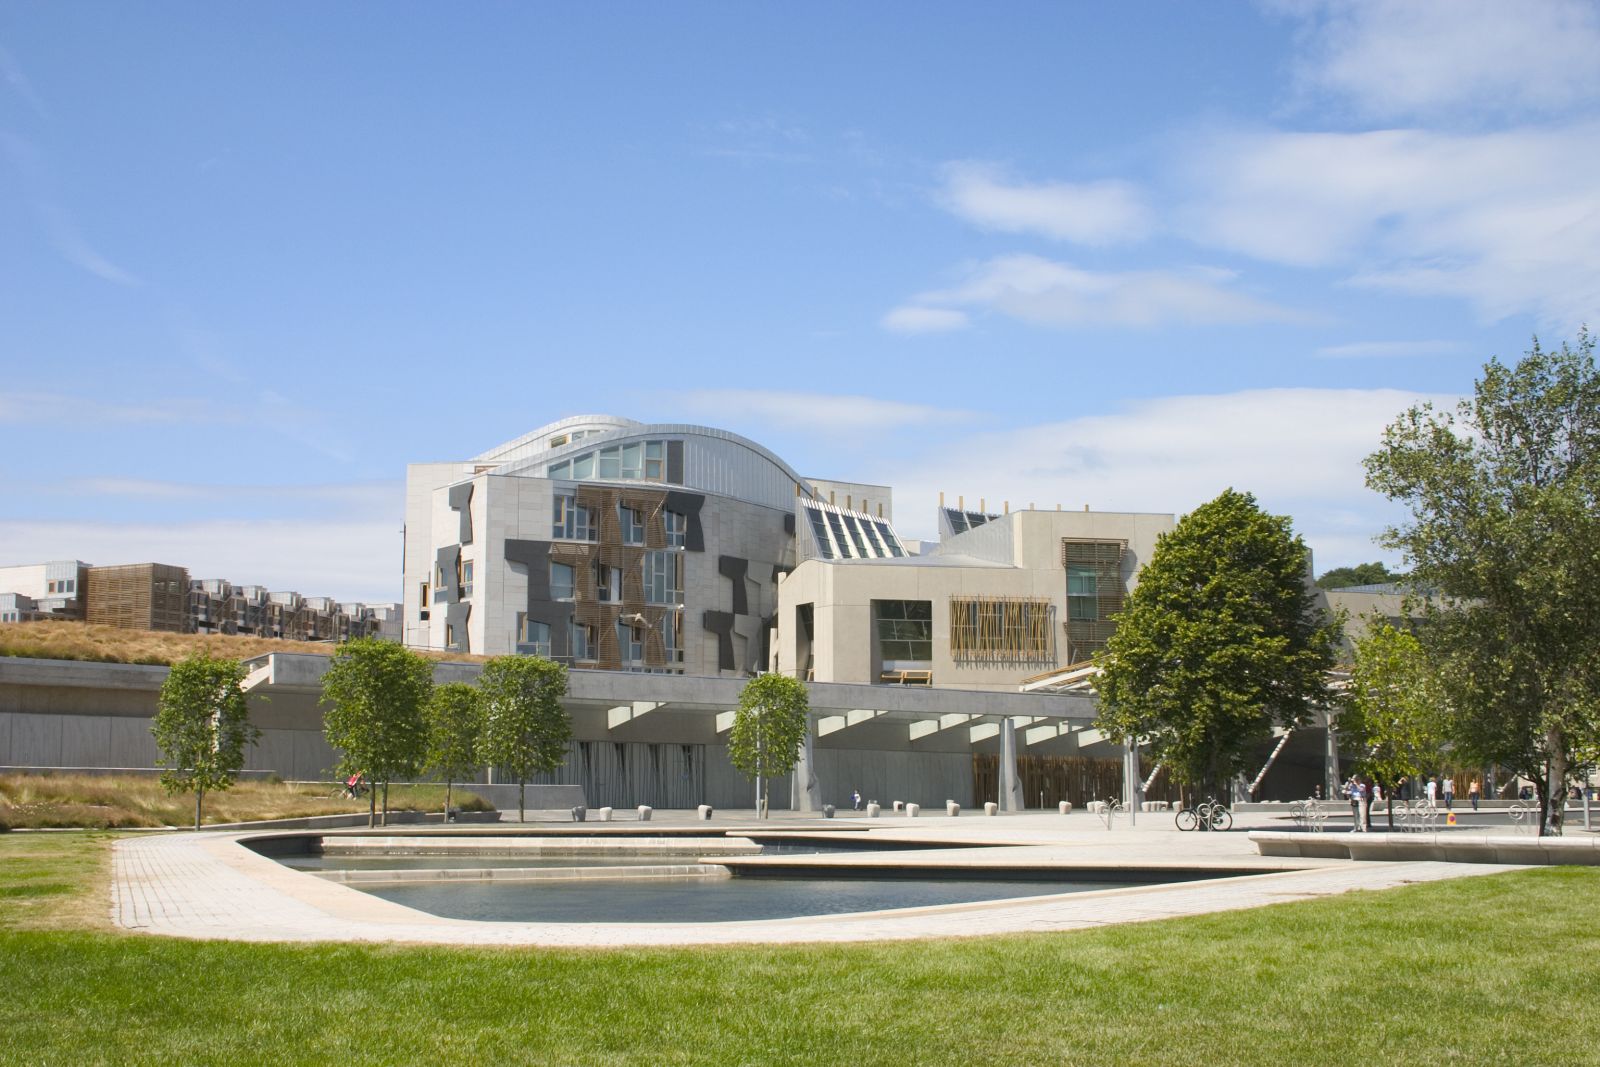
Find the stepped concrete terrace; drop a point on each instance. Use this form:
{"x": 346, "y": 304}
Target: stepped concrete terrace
{"x": 210, "y": 885}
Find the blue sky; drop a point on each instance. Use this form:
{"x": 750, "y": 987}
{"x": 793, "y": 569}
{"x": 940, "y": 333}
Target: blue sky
{"x": 256, "y": 259}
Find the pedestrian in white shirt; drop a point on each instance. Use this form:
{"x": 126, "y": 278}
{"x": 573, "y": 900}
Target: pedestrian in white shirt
{"x": 1433, "y": 791}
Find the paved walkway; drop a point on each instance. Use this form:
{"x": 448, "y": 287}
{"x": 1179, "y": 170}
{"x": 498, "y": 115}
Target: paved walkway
{"x": 208, "y": 885}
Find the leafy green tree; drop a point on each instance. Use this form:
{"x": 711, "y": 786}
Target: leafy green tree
{"x": 455, "y": 724}
{"x": 1220, "y": 640}
{"x": 1393, "y": 709}
{"x": 526, "y": 730}
{"x": 1504, "y": 501}
{"x": 768, "y": 728}
{"x": 1360, "y": 574}
{"x": 202, "y": 726}
{"x": 376, "y": 691}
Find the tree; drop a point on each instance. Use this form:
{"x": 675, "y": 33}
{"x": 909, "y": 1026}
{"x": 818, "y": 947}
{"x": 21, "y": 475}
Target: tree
{"x": 377, "y": 691}
{"x": 1360, "y": 574}
{"x": 202, "y": 726}
{"x": 1504, "y": 496}
{"x": 1393, "y": 708}
{"x": 526, "y": 730}
{"x": 455, "y": 723}
{"x": 768, "y": 729}
{"x": 1220, "y": 640}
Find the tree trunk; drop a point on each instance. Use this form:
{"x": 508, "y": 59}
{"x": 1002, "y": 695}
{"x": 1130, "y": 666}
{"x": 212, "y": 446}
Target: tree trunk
{"x": 372, "y": 807}
{"x": 386, "y": 802}
{"x": 199, "y": 795}
{"x": 447, "y": 800}
{"x": 521, "y": 814}
{"x": 1557, "y": 790}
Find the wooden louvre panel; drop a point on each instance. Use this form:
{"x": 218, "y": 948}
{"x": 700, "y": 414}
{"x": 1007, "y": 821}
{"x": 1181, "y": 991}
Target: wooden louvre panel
{"x": 1002, "y": 629}
{"x": 1104, "y": 559}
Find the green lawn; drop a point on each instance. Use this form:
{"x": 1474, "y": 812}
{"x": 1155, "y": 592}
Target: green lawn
{"x": 1501, "y": 969}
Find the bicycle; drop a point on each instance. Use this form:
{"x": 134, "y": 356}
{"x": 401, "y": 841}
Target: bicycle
{"x": 1206, "y": 815}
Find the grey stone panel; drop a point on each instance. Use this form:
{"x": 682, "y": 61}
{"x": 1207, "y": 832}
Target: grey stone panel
{"x": 313, "y": 757}
{"x": 535, "y": 555}
{"x": 788, "y": 524}
{"x": 461, "y": 501}
{"x": 688, "y": 505}
{"x": 86, "y": 741}
{"x": 132, "y": 743}
{"x": 36, "y": 740}
{"x": 445, "y": 561}
{"x": 735, "y": 569}
{"x": 456, "y": 616}
{"x": 675, "y": 462}
{"x": 721, "y": 624}
{"x": 275, "y": 752}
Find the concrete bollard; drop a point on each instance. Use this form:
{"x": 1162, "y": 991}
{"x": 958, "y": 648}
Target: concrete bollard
{"x": 605, "y": 814}
{"x": 645, "y": 811}
{"x": 899, "y": 805}
{"x": 704, "y": 811}
{"x": 827, "y": 811}
{"x": 951, "y": 808}
{"x": 873, "y": 809}
{"x": 1066, "y": 807}
{"x": 912, "y": 809}
{"x": 991, "y": 808}
{"x": 579, "y": 813}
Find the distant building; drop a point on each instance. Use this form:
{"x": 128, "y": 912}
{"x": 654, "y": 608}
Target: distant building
{"x": 37, "y": 591}
{"x": 139, "y": 596}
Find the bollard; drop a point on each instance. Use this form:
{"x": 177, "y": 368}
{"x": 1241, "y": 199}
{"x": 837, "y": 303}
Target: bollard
{"x": 827, "y": 811}
{"x": 912, "y": 809}
{"x": 605, "y": 814}
{"x": 1066, "y": 807}
{"x": 579, "y": 813}
{"x": 873, "y": 809}
{"x": 899, "y": 805}
{"x": 951, "y": 808}
{"x": 705, "y": 812}
{"x": 991, "y": 808}
{"x": 645, "y": 811}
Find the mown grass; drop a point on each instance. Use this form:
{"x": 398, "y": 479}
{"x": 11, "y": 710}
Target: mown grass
{"x": 128, "y": 801}
{"x": 111, "y": 644}
{"x": 1498, "y": 969}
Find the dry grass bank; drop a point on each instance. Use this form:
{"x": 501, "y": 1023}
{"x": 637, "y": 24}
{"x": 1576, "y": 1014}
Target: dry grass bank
{"x": 109, "y": 802}
{"x": 110, "y": 644}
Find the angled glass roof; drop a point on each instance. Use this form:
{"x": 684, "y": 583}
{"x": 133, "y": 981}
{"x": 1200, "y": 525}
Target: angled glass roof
{"x": 961, "y": 521}
{"x": 841, "y": 534}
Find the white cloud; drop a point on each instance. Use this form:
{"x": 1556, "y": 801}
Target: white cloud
{"x": 815, "y": 411}
{"x": 1388, "y": 349}
{"x": 348, "y": 560}
{"x": 1092, "y": 213}
{"x": 910, "y": 318}
{"x": 1298, "y": 450}
{"x": 350, "y": 497}
{"x": 1399, "y": 58}
{"x": 1050, "y": 293}
{"x": 1509, "y": 221}
{"x": 46, "y": 408}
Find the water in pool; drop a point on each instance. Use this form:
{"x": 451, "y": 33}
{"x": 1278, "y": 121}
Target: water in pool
{"x": 723, "y": 900}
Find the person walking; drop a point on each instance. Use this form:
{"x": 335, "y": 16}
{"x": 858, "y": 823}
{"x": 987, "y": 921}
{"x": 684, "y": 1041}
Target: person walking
{"x": 1449, "y": 793}
{"x": 1474, "y": 791}
{"x": 1433, "y": 791}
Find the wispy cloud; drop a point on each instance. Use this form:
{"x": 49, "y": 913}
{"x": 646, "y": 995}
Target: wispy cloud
{"x": 46, "y": 408}
{"x": 1046, "y": 292}
{"x": 818, "y": 411}
{"x": 1388, "y": 349}
{"x": 912, "y": 319}
{"x": 58, "y": 224}
{"x": 1090, "y": 213}
{"x": 365, "y": 497}
{"x": 1408, "y": 58}
{"x": 15, "y": 80}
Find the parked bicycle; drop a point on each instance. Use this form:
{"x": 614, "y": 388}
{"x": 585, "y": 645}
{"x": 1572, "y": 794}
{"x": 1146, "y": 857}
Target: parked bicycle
{"x": 1206, "y": 815}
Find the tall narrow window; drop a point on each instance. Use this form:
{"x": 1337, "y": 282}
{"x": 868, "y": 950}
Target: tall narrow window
{"x": 580, "y": 640}
{"x": 561, "y": 580}
{"x": 533, "y": 637}
{"x": 1082, "y": 594}
{"x": 464, "y": 570}
{"x": 677, "y": 528}
{"x": 632, "y": 526}
{"x": 663, "y": 577}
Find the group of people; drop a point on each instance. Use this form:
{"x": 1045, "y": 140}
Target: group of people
{"x": 1366, "y": 793}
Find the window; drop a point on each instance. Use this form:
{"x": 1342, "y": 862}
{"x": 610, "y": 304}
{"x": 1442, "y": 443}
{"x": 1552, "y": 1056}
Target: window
{"x": 905, "y": 631}
{"x": 561, "y": 579}
{"x": 533, "y": 638}
{"x": 677, "y": 528}
{"x": 654, "y": 452}
{"x": 464, "y": 576}
{"x": 630, "y": 642}
{"x": 671, "y": 629}
{"x": 1083, "y": 601}
{"x": 570, "y": 521}
{"x": 607, "y": 583}
{"x": 449, "y": 635}
{"x": 663, "y": 577}
{"x": 583, "y": 467}
{"x": 1012, "y": 629}
{"x": 580, "y": 640}
{"x": 422, "y": 594}
{"x": 632, "y": 526}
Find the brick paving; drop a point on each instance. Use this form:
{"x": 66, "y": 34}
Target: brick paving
{"x": 208, "y": 885}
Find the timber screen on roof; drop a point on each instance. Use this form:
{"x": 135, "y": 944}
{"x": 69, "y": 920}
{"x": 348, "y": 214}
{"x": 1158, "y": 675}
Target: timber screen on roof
{"x": 840, "y": 534}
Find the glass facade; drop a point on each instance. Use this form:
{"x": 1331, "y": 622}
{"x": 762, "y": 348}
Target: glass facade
{"x": 905, "y": 631}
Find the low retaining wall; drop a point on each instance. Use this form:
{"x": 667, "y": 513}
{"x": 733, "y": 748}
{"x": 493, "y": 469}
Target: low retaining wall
{"x": 1446, "y": 847}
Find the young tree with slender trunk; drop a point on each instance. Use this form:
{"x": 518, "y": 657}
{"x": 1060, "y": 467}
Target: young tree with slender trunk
{"x": 202, "y": 726}
{"x": 1220, "y": 641}
{"x": 526, "y": 730}
{"x": 1504, "y": 496}
{"x": 455, "y": 724}
{"x": 1394, "y": 710}
{"x": 376, "y": 691}
{"x": 768, "y": 729}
